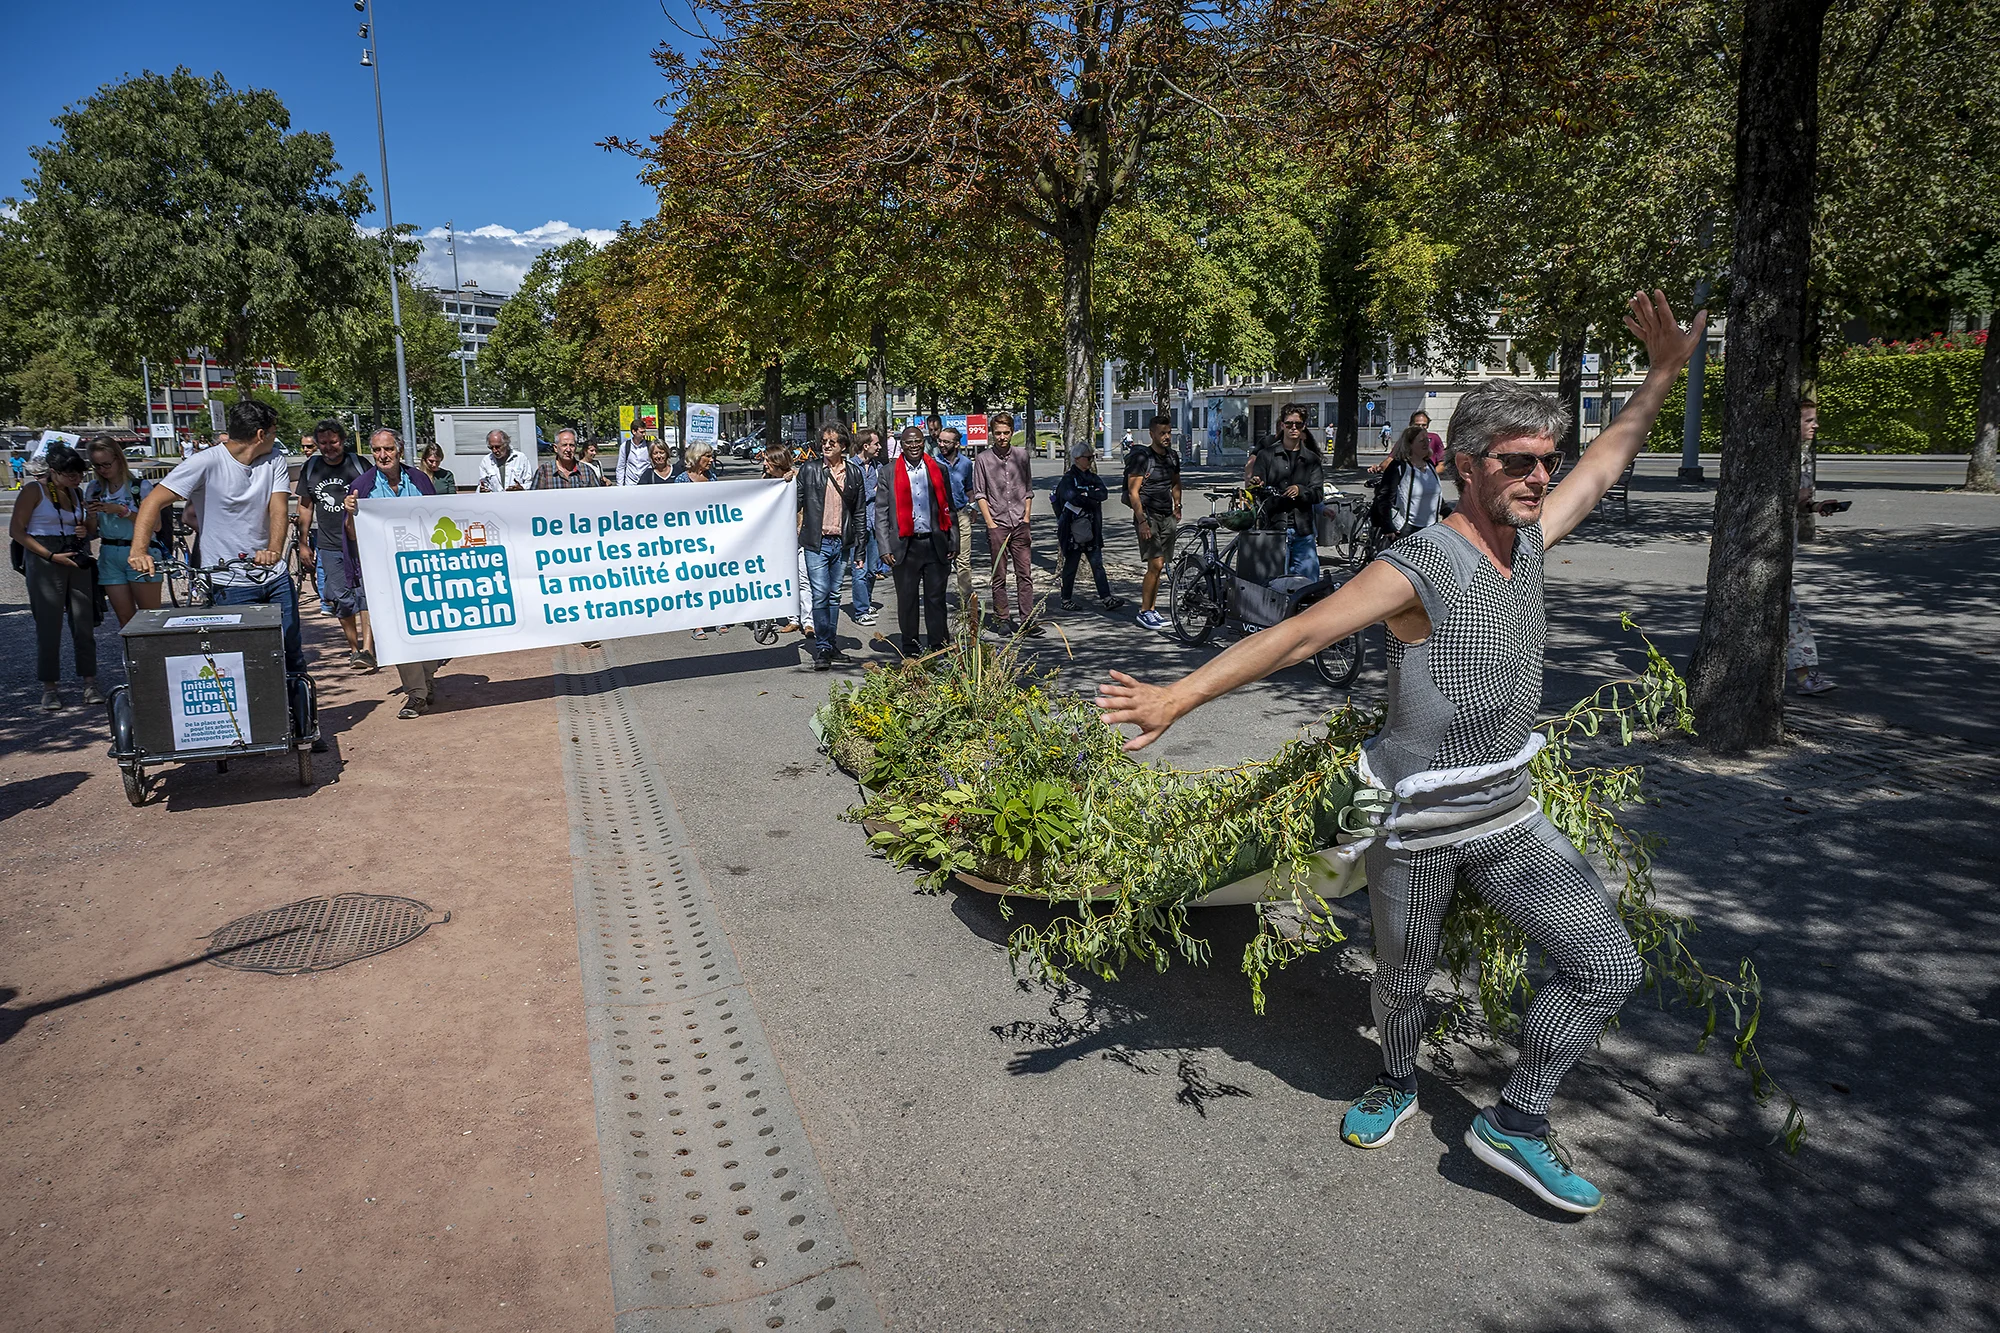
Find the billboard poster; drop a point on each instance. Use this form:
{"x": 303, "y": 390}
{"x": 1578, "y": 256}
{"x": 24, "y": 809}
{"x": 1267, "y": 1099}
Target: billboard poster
{"x": 704, "y": 423}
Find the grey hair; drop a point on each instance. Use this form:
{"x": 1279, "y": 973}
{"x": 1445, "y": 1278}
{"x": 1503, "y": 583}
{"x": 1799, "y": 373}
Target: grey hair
{"x": 1082, "y": 448}
{"x": 1500, "y": 409}
{"x": 389, "y": 431}
{"x": 569, "y": 431}
{"x": 505, "y": 438}
{"x": 701, "y": 451}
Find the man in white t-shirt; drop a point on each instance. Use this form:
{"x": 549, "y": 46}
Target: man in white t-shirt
{"x": 241, "y": 494}
{"x": 502, "y": 469}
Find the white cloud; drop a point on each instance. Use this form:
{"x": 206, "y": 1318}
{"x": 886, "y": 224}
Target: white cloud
{"x": 497, "y": 257}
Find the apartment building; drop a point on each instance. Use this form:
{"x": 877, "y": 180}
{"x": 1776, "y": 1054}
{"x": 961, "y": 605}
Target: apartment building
{"x": 474, "y": 311}
{"x": 181, "y": 394}
{"x": 1221, "y": 416}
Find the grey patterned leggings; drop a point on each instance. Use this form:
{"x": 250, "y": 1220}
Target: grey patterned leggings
{"x": 1534, "y": 877}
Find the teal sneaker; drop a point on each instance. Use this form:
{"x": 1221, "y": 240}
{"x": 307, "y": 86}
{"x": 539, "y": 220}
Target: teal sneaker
{"x": 1540, "y": 1164}
{"x": 1371, "y": 1122}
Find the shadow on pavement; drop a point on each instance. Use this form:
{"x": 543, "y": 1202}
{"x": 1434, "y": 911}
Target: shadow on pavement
{"x": 38, "y": 793}
{"x": 13, "y": 1020}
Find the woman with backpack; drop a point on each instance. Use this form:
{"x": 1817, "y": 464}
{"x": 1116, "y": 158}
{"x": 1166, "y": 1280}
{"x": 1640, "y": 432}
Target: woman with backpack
{"x": 53, "y": 530}
{"x": 113, "y": 496}
{"x": 1079, "y": 504}
{"x": 1410, "y": 495}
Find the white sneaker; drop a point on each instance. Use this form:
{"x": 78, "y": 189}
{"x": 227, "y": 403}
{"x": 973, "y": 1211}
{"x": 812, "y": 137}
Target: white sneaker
{"x": 1814, "y": 683}
{"x": 51, "y": 701}
{"x": 1152, "y": 620}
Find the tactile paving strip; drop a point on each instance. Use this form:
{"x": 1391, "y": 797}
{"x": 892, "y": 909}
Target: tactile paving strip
{"x": 719, "y": 1221}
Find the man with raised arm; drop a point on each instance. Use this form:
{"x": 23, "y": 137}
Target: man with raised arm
{"x": 1462, "y": 600}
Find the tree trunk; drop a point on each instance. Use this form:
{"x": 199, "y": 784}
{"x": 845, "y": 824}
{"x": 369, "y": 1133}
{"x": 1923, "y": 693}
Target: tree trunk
{"x": 1979, "y": 469}
{"x": 774, "y": 404}
{"x": 1029, "y": 414}
{"x": 1737, "y": 679}
{"x": 878, "y": 379}
{"x": 1079, "y": 245}
{"x": 679, "y": 384}
{"x": 1347, "y": 430}
{"x": 1569, "y": 388}
{"x": 1163, "y": 392}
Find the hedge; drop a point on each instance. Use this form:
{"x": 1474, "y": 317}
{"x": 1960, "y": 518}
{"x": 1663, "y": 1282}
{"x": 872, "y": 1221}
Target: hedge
{"x": 1870, "y": 401}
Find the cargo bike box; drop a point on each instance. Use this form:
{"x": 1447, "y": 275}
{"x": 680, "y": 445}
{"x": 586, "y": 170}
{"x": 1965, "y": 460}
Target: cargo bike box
{"x": 208, "y": 685}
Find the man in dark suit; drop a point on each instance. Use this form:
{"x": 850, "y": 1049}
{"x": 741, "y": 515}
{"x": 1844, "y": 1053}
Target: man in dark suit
{"x": 913, "y": 525}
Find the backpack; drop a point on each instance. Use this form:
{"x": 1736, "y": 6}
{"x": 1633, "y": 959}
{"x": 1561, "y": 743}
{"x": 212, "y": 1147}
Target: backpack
{"x": 1382, "y": 511}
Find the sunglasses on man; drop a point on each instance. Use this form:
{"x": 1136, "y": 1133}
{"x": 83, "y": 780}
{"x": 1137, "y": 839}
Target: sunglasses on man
{"x": 1519, "y": 466}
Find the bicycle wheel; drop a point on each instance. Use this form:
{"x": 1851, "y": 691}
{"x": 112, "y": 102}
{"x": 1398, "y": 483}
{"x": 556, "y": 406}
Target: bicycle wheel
{"x": 1197, "y": 609}
{"x": 1340, "y": 662}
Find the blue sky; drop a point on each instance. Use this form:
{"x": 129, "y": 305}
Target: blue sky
{"x": 493, "y": 108}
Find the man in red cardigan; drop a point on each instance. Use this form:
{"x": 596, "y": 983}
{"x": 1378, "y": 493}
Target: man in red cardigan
{"x": 914, "y": 529}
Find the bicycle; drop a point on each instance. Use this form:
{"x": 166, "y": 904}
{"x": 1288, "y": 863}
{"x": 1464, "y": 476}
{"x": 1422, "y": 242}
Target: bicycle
{"x": 1206, "y": 590}
{"x": 178, "y": 559}
{"x": 199, "y": 581}
{"x": 1356, "y": 539}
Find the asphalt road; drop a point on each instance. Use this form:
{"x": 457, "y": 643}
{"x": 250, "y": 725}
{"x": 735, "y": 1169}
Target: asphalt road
{"x": 1147, "y": 1153}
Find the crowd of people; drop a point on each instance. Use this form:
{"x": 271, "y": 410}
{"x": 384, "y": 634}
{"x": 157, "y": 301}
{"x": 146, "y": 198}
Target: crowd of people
{"x": 905, "y": 507}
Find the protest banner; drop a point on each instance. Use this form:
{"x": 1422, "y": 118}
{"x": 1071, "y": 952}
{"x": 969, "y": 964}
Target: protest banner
{"x": 704, "y": 424}
{"x": 457, "y": 575}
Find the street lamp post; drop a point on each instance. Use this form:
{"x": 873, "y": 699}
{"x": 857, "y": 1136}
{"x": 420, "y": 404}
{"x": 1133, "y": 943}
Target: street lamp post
{"x": 458, "y": 304}
{"x": 367, "y": 10}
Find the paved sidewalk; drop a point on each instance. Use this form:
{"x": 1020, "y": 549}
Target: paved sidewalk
{"x": 1146, "y": 1153}
{"x": 405, "y": 1142}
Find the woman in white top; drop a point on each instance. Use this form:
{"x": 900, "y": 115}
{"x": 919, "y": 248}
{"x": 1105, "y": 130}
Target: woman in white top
{"x": 54, "y": 530}
{"x": 1418, "y": 494}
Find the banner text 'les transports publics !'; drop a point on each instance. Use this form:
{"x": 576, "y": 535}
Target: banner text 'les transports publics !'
{"x": 458, "y": 575}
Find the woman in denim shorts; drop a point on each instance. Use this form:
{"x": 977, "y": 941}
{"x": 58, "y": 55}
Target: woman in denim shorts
{"x": 113, "y": 494}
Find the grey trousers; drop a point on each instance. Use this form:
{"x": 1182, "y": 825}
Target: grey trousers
{"x": 418, "y": 680}
{"x": 1534, "y": 877}
{"x": 57, "y": 593}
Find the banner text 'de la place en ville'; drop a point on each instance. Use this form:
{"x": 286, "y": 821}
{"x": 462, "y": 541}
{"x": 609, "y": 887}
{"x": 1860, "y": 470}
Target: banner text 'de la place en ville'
{"x": 455, "y": 575}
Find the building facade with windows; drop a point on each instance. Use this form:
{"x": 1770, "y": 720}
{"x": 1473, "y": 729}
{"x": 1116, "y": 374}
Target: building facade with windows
{"x": 182, "y": 392}
{"x": 473, "y": 311}
{"x": 1222, "y": 416}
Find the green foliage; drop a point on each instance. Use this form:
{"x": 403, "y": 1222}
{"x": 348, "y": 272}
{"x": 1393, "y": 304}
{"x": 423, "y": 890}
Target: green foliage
{"x": 1922, "y": 403}
{"x": 356, "y": 364}
{"x": 973, "y": 766}
{"x": 47, "y": 392}
{"x": 189, "y": 209}
{"x": 1870, "y": 401}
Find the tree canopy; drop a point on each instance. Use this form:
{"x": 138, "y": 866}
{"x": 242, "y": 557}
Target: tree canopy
{"x": 194, "y": 212}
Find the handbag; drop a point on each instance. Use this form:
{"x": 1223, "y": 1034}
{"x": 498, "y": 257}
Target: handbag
{"x": 1082, "y": 532}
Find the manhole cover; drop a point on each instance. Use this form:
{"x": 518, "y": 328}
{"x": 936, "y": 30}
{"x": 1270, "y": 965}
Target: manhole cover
{"x": 315, "y": 934}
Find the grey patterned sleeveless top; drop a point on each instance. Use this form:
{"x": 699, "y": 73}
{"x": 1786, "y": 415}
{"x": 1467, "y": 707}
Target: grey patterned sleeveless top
{"x": 1470, "y": 692}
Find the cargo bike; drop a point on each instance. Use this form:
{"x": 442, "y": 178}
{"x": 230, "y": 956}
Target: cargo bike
{"x": 207, "y": 684}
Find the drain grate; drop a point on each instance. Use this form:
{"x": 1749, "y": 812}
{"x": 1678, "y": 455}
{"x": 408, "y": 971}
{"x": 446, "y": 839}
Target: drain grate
{"x": 717, "y": 1214}
{"x": 315, "y": 934}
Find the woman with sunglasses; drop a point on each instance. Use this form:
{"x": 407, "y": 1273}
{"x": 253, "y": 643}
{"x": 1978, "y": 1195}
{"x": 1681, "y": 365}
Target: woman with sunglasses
{"x": 1289, "y": 479}
{"x": 54, "y": 530}
{"x": 1462, "y": 600}
{"x": 113, "y": 497}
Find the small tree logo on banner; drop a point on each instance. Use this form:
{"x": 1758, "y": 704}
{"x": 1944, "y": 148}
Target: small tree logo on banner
{"x": 208, "y": 692}
{"x": 458, "y": 583}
